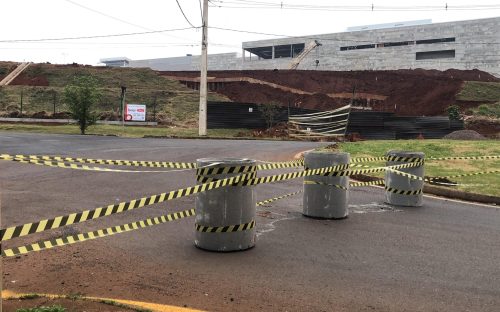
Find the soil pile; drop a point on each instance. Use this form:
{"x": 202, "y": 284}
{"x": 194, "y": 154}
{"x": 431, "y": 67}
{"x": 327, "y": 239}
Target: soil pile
{"x": 464, "y": 135}
{"x": 415, "y": 92}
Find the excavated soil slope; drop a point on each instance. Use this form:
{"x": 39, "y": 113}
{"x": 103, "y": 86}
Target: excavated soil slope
{"x": 406, "y": 92}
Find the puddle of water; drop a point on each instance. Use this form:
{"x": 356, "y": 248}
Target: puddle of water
{"x": 372, "y": 207}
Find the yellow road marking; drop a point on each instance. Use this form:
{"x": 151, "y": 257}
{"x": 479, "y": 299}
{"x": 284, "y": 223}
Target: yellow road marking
{"x": 155, "y": 307}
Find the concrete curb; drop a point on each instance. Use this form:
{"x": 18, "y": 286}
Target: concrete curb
{"x": 445, "y": 192}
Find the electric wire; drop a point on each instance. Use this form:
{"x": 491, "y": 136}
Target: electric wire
{"x": 185, "y": 17}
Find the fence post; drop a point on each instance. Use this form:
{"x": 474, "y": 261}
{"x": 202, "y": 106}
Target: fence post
{"x": 401, "y": 190}
{"x": 225, "y": 217}
{"x": 326, "y": 196}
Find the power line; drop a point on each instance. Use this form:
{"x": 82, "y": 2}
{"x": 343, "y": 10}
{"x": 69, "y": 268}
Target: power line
{"x": 185, "y": 17}
{"x": 242, "y": 4}
{"x": 107, "y": 15}
{"x": 99, "y": 36}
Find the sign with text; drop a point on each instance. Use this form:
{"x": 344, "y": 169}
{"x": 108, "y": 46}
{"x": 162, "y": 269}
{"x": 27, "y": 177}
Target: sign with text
{"x": 135, "y": 112}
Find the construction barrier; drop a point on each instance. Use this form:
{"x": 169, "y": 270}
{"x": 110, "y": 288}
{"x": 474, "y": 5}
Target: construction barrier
{"x": 213, "y": 176}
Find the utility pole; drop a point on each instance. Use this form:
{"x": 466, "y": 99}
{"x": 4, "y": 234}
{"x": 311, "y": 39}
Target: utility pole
{"x": 202, "y": 129}
{"x": 124, "y": 89}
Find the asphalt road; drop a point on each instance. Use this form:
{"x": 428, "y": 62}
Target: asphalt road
{"x": 443, "y": 256}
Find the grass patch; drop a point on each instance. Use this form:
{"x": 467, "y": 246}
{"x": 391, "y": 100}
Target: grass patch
{"x": 54, "y": 308}
{"x": 121, "y": 305}
{"x": 479, "y": 91}
{"x": 128, "y": 131}
{"x": 489, "y": 110}
{"x": 482, "y": 184}
{"x": 144, "y": 86}
{"x": 29, "y": 296}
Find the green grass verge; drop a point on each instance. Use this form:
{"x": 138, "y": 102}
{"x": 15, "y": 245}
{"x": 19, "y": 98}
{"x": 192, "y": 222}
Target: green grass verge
{"x": 482, "y": 184}
{"x": 54, "y": 308}
{"x": 128, "y": 131}
{"x": 479, "y": 91}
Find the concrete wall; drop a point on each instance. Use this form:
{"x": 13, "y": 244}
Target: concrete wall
{"x": 476, "y": 46}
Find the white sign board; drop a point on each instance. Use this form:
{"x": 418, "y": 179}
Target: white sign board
{"x": 135, "y": 112}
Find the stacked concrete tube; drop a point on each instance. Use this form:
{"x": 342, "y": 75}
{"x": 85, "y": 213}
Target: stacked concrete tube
{"x": 225, "y": 207}
{"x": 396, "y": 183}
{"x": 326, "y": 197}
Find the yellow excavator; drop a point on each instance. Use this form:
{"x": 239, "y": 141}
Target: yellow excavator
{"x": 296, "y": 60}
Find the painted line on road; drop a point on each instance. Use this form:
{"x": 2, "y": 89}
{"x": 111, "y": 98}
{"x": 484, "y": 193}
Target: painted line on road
{"x": 155, "y": 307}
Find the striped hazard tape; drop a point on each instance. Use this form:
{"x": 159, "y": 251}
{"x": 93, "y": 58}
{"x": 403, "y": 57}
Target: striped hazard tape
{"x": 57, "y": 222}
{"x": 73, "y": 239}
{"x": 78, "y": 167}
{"x": 367, "y": 159}
{"x": 466, "y": 158}
{"x": 377, "y": 182}
{"x": 430, "y": 179}
{"x": 404, "y": 159}
{"x": 225, "y": 229}
{"x": 131, "y": 163}
{"x": 268, "y": 201}
{"x": 403, "y": 192}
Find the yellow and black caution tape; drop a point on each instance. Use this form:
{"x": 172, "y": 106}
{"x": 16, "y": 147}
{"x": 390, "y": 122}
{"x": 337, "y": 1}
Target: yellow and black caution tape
{"x": 376, "y": 182}
{"x": 47, "y": 224}
{"x": 279, "y": 165}
{"x": 404, "y": 159}
{"x": 366, "y": 159}
{"x": 405, "y": 174}
{"x": 403, "y": 192}
{"x": 268, "y": 201}
{"x": 225, "y": 229}
{"x": 136, "y": 163}
{"x": 131, "y": 163}
{"x": 466, "y": 158}
{"x": 78, "y": 167}
{"x": 72, "y": 239}
{"x": 309, "y": 182}
{"x": 430, "y": 179}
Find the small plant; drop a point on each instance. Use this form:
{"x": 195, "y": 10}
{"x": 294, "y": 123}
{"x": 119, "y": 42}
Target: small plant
{"x": 81, "y": 96}
{"x": 269, "y": 113}
{"x": 29, "y": 296}
{"x": 54, "y": 308}
{"x": 454, "y": 112}
{"x": 492, "y": 110}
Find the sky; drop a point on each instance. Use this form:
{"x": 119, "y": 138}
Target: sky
{"x": 160, "y": 30}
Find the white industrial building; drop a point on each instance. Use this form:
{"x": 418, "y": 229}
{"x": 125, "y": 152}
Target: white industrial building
{"x": 472, "y": 44}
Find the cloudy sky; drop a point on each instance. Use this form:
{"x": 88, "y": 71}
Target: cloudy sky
{"x": 157, "y": 28}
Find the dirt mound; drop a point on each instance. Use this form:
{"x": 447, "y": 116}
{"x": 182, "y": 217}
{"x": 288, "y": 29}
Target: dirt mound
{"x": 486, "y": 126}
{"x": 24, "y": 80}
{"x": 414, "y": 92}
{"x": 464, "y": 135}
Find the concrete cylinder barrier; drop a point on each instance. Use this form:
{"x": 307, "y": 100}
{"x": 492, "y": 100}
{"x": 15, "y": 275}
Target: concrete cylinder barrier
{"x": 225, "y": 217}
{"x": 401, "y": 190}
{"x": 326, "y": 196}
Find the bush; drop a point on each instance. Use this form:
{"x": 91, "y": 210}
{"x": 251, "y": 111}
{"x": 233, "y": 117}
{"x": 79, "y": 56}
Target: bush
{"x": 454, "y": 112}
{"x": 81, "y": 96}
{"x": 491, "y": 110}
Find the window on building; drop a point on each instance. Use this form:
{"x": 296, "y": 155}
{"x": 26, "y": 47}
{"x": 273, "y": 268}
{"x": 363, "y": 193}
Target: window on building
{"x": 439, "y": 40}
{"x": 397, "y": 44}
{"x": 262, "y": 52}
{"x": 433, "y": 55}
{"x": 357, "y": 47}
{"x": 297, "y": 48}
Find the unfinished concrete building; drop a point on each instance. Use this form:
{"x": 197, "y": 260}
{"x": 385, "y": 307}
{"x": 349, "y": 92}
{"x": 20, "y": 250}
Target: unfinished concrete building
{"x": 472, "y": 44}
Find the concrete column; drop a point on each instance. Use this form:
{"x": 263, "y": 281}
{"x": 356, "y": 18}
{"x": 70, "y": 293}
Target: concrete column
{"x": 326, "y": 196}
{"x": 402, "y": 190}
{"x": 225, "y": 217}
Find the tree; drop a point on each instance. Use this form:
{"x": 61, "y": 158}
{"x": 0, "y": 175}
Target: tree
{"x": 454, "y": 112}
{"x": 81, "y": 96}
{"x": 269, "y": 112}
